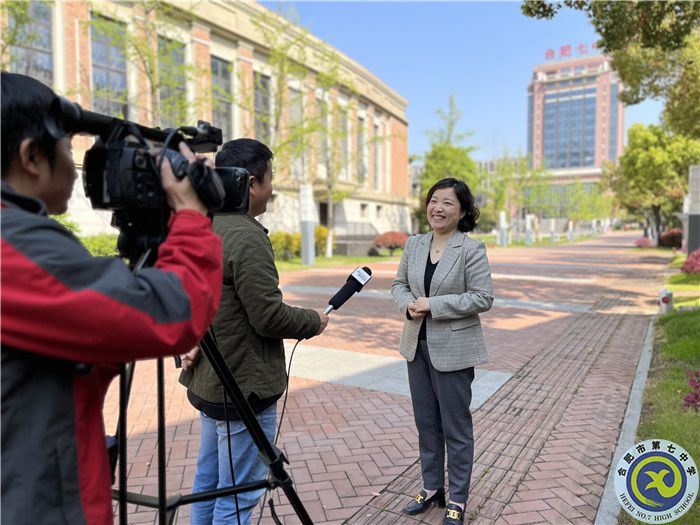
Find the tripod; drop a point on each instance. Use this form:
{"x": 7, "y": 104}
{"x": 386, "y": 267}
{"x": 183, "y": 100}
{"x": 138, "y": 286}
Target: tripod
{"x": 167, "y": 506}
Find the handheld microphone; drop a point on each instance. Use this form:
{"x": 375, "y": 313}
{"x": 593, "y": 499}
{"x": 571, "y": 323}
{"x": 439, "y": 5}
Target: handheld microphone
{"x": 354, "y": 284}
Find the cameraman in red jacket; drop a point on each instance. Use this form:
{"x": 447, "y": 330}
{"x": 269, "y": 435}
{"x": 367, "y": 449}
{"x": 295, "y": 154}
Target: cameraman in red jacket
{"x": 63, "y": 309}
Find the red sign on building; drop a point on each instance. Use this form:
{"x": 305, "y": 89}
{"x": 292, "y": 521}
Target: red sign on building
{"x": 566, "y": 51}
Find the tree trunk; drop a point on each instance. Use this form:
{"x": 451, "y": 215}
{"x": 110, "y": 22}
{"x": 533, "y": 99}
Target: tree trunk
{"x": 656, "y": 210}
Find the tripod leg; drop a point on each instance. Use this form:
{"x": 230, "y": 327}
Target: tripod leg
{"x": 272, "y": 455}
{"x": 162, "y": 514}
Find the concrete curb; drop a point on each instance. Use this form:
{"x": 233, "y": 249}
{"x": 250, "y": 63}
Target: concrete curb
{"x": 609, "y": 507}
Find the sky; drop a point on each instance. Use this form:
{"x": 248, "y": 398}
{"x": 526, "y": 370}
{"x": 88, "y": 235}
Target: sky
{"x": 480, "y": 52}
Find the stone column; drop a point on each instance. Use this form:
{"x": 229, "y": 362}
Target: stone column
{"x": 694, "y": 209}
{"x": 502, "y": 229}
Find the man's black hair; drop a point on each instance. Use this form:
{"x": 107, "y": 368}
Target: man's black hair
{"x": 467, "y": 202}
{"x": 25, "y": 102}
{"x": 250, "y": 154}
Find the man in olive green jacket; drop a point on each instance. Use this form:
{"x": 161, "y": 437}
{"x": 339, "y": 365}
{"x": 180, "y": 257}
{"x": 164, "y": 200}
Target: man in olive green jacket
{"x": 250, "y": 326}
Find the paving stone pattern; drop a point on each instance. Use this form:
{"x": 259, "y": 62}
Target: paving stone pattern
{"x": 543, "y": 442}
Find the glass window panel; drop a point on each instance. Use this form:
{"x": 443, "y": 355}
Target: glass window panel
{"x": 108, "y": 68}
{"x": 32, "y": 55}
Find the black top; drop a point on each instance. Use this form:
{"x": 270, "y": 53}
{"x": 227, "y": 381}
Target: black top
{"x": 427, "y": 280}
{"x": 216, "y": 411}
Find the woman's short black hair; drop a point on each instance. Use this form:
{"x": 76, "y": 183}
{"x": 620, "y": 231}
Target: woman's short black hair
{"x": 250, "y": 154}
{"x": 25, "y": 101}
{"x": 467, "y": 203}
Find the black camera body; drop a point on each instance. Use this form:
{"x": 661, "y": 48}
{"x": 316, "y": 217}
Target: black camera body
{"x": 121, "y": 172}
{"x": 122, "y": 175}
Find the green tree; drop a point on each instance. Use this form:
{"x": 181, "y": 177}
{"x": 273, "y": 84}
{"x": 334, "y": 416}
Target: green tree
{"x": 280, "y": 113}
{"x": 159, "y": 60}
{"x": 333, "y": 156}
{"x": 663, "y": 25}
{"x": 672, "y": 75}
{"x": 446, "y": 158}
{"x": 652, "y": 175}
{"x": 655, "y": 47}
{"x": 516, "y": 188}
{"x": 586, "y": 204}
{"x": 15, "y": 18}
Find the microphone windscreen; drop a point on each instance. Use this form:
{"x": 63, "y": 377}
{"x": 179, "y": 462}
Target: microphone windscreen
{"x": 349, "y": 288}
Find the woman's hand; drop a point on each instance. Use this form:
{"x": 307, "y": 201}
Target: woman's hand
{"x": 422, "y": 305}
{"x": 416, "y": 309}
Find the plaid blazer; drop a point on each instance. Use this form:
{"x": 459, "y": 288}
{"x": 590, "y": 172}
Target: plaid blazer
{"x": 461, "y": 288}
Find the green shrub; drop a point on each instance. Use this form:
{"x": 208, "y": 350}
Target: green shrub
{"x": 102, "y": 244}
{"x": 296, "y": 245}
{"x": 67, "y": 223}
{"x": 320, "y": 238}
{"x": 282, "y": 245}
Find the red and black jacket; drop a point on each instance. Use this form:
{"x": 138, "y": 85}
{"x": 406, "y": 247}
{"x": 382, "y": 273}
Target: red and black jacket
{"x": 60, "y": 307}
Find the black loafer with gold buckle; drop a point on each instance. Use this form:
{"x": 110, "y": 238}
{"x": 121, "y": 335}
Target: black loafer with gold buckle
{"x": 421, "y": 503}
{"x": 454, "y": 515}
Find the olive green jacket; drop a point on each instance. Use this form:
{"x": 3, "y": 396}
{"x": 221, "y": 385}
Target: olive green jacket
{"x": 252, "y": 320}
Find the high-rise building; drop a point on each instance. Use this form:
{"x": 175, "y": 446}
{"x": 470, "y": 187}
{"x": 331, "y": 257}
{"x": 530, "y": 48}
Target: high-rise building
{"x": 575, "y": 117}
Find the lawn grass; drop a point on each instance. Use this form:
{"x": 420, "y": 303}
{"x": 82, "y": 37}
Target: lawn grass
{"x": 491, "y": 240}
{"x": 337, "y": 260}
{"x": 677, "y": 260}
{"x": 684, "y": 281}
{"x": 676, "y": 350}
{"x": 685, "y": 288}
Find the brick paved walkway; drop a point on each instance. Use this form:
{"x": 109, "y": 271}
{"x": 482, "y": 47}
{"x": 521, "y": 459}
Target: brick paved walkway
{"x": 544, "y": 441}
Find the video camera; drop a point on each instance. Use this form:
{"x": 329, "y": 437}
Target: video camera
{"x": 121, "y": 172}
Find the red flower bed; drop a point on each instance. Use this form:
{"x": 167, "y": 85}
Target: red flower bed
{"x": 672, "y": 238}
{"x": 692, "y": 263}
{"x": 644, "y": 242}
{"x": 390, "y": 240}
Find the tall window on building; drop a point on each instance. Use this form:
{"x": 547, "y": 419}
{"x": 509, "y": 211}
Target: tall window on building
{"x": 378, "y": 144}
{"x": 361, "y": 166}
{"x": 109, "y": 93}
{"x": 262, "y": 107}
{"x": 221, "y": 90}
{"x": 530, "y": 127}
{"x": 172, "y": 79}
{"x": 569, "y": 128}
{"x": 295, "y": 123}
{"x": 32, "y": 53}
{"x": 343, "y": 138}
{"x": 322, "y": 138}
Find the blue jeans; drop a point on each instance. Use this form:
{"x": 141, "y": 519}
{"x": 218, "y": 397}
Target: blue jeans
{"x": 213, "y": 470}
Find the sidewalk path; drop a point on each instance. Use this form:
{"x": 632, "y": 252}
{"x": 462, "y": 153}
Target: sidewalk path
{"x": 564, "y": 338}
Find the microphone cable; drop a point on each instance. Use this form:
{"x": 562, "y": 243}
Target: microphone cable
{"x": 230, "y": 455}
{"x": 277, "y": 434}
{"x": 228, "y": 438}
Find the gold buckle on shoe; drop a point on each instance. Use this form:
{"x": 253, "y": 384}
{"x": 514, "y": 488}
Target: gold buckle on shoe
{"x": 454, "y": 514}
{"x": 419, "y": 498}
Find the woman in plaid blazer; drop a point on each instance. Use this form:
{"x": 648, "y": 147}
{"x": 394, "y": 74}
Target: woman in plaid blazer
{"x": 442, "y": 285}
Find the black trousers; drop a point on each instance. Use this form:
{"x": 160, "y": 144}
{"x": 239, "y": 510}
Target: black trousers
{"x": 441, "y": 409}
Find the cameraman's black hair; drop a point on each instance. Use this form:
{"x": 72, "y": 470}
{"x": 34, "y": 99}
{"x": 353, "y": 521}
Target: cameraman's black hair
{"x": 467, "y": 203}
{"x": 25, "y": 102}
{"x": 250, "y": 154}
